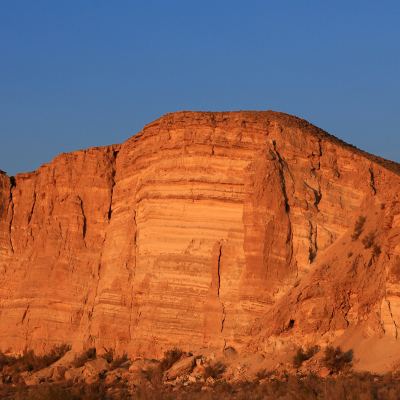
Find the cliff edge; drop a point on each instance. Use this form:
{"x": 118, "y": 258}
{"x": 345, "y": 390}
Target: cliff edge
{"x": 206, "y": 229}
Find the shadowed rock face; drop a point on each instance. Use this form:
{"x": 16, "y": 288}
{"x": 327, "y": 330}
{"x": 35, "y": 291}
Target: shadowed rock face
{"x": 204, "y": 229}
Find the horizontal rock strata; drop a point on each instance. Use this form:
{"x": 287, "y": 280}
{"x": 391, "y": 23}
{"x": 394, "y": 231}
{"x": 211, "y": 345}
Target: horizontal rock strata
{"x": 198, "y": 231}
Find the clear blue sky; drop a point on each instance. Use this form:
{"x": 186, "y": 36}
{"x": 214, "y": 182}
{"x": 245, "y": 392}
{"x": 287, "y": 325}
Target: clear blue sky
{"x": 76, "y": 74}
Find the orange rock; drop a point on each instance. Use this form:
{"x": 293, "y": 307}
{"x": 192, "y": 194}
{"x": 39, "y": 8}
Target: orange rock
{"x": 324, "y": 372}
{"x": 204, "y": 229}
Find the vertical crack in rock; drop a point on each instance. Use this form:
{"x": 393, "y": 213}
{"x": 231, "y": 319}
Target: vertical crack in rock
{"x": 218, "y": 268}
{"x": 219, "y": 284}
{"x": 113, "y": 172}
{"x": 313, "y": 241}
{"x": 11, "y": 206}
{"x": 26, "y": 312}
{"x": 115, "y": 154}
{"x": 33, "y": 206}
{"x": 223, "y": 317}
{"x": 62, "y": 240}
{"x": 132, "y": 275}
{"x": 84, "y": 220}
{"x": 391, "y": 315}
{"x": 90, "y": 313}
{"x": 372, "y": 180}
{"x": 282, "y": 165}
{"x": 317, "y": 194}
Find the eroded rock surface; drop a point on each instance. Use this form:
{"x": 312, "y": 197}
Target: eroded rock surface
{"x": 205, "y": 229}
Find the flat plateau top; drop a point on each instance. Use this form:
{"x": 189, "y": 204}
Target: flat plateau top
{"x": 264, "y": 118}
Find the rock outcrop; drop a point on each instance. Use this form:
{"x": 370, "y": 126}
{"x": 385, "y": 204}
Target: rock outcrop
{"x": 205, "y": 229}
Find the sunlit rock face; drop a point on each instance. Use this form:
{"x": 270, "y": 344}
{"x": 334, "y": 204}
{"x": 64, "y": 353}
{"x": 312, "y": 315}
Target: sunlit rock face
{"x": 204, "y": 229}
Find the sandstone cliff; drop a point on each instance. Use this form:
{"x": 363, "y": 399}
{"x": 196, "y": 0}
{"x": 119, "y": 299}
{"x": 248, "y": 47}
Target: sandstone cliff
{"x": 205, "y": 229}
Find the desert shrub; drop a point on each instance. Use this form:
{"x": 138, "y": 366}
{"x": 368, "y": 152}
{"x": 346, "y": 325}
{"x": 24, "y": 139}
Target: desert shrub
{"x": 358, "y": 228}
{"x": 303, "y": 355}
{"x": 369, "y": 240}
{"x": 376, "y": 250}
{"x": 214, "y": 370}
{"x": 118, "y": 361}
{"x": 154, "y": 374}
{"x": 170, "y": 358}
{"x": 89, "y": 354}
{"x": 224, "y": 388}
{"x": 108, "y": 355}
{"x": 299, "y": 357}
{"x": 336, "y": 360}
{"x": 263, "y": 373}
{"x": 29, "y": 361}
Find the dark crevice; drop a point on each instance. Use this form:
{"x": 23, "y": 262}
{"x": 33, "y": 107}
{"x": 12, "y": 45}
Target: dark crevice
{"x": 372, "y": 180}
{"x": 391, "y": 315}
{"x": 113, "y": 184}
{"x": 219, "y": 284}
{"x": 26, "y": 312}
{"x": 282, "y": 165}
{"x": 33, "y": 207}
{"x": 223, "y": 317}
{"x": 317, "y": 194}
{"x": 313, "y": 242}
{"x": 219, "y": 267}
{"x": 11, "y": 204}
{"x": 132, "y": 276}
{"x": 135, "y": 237}
{"x": 282, "y": 176}
{"x": 84, "y": 220}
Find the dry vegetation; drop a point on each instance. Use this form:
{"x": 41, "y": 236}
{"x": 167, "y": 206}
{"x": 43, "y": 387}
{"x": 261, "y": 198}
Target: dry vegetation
{"x": 304, "y": 355}
{"x": 115, "y": 362}
{"x": 341, "y": 385}
{"x": 350, "y": 387}
{"x": 11, "y": 366}
{"x": 89, "y": 354}
{"x": 358, "y": 228}
{"x": 336, "y": 360}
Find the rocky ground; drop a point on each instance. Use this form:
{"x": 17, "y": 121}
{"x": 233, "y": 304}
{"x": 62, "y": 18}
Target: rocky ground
{"x": 208, "y": 375}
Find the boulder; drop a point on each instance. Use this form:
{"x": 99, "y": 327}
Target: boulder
{"x": 97, "y": 366}
{"x": 74, "y": 374}
{"x": 59, "y": 373}
{"x": 324, "y": 372}
{"x": 181, "y": 367}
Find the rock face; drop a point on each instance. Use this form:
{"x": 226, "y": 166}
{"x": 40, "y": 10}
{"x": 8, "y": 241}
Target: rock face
{"x": 205, "y": 229}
